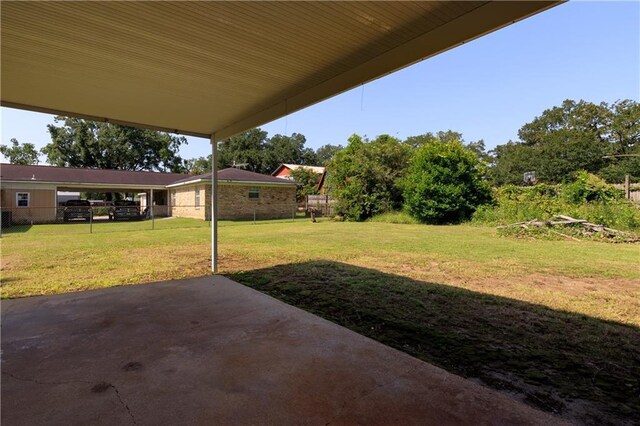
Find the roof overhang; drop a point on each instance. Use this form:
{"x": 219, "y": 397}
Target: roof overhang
{"x": 218, "y": 68}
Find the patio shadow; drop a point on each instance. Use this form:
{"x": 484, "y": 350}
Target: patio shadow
{"x": 584, "y": 369}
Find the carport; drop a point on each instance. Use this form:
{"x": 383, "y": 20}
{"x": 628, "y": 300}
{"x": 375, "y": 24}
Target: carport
{"x": 42, "y": 183}
{"x": 214, "y": 69}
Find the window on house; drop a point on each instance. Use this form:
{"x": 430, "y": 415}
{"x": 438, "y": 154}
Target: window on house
{"x": 254, "y": 193}
{"x": 22, "y": 199}
{"x": 197, "y": 197}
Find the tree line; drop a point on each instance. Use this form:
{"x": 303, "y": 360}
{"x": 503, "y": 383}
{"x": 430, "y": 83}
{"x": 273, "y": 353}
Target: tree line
{"x": 81, "y": 143}
{"x": 255, "y": 151}
{"x": 603, "y": 139}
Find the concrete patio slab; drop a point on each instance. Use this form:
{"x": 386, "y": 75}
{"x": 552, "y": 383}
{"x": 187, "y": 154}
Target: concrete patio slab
{"x": 211, "y": 351}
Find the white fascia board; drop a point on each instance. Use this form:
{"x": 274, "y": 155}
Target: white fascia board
{"x": 67, "y": 185}
{"x": 26, "y": 185}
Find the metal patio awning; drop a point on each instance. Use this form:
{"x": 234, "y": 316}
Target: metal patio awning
{"x": 217, "y": 68}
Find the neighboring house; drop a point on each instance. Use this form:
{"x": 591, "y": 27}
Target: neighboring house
{"x": 284, "y": 170}
{"x": 241, "y": 195}
{"x": 31, "y": 194}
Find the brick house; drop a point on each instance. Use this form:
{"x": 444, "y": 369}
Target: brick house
{"x": 241, "y": 195}
{"x": 32, "y": 194}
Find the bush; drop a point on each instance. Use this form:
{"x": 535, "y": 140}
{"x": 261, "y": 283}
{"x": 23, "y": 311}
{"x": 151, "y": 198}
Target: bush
{"x": 445, "y": 183}
{"x": 364, "y": 176}
{"x": 588, "y": 188}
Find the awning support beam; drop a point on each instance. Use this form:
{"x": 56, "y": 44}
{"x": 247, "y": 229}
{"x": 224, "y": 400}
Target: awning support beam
{"x": 214, "y": 205}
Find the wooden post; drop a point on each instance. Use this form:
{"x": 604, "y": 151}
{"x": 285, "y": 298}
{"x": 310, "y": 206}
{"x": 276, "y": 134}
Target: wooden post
{"x": 627, "y": 187}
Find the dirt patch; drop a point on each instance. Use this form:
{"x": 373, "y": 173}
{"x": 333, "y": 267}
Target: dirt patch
{"x": 581, "y": 286}
{"x": 9, "y": 262}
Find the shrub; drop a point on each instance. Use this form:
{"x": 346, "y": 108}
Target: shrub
{"x": 588, "y": 187}
{"x": 364, "y": 176}
{"x": 445, "y": 183}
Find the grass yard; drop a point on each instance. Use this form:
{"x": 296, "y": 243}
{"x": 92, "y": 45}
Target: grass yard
{"x": 555, "y": 323}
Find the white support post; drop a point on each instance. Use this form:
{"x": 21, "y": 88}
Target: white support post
{"x": 153, "y": 219}
{"x": 214, "y": 205}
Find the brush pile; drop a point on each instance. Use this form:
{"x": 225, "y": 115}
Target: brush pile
{"x": 573, "y": 229}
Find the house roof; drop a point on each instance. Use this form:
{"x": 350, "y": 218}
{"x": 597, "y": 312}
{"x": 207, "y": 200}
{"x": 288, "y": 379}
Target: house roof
{"x": 218, "y": 68}
{"x": 71, "y": 175}
{"x": 236, "y": 175}
{"x": 316, "y": 169}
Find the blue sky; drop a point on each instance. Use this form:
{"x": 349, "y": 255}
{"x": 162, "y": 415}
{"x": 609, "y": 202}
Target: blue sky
{"x": 486, "y": 89}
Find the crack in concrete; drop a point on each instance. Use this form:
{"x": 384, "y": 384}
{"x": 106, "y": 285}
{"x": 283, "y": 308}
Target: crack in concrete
{"x": 366, "y": 394}
{"x": 124, "y": 404}
{"x": 39, "y": 382}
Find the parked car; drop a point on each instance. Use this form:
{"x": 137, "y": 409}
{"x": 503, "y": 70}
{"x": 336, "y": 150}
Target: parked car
{"x": 124, "y": 209}
{"x": 77, "y": 209}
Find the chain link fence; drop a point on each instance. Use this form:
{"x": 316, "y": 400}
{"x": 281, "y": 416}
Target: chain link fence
{"x": 88, "y": 219}
{"x": 320, "y": 205}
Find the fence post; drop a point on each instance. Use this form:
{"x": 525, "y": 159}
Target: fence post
{"x": 91, "y": 220}
{"x": 153, "y": 219}
{"x": 293, "y": 213}
{"x": 254, "y": 215}
{"x": 627, "y": 187}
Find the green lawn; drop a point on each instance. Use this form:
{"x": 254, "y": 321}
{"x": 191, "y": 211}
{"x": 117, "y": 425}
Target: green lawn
{"x": 555, "y": 322}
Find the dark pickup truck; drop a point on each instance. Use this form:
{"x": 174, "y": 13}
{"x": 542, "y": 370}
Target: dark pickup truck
{"x": 124, "y": 209}
{"x": 77, "y": 209}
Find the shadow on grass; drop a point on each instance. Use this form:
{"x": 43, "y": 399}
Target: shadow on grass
{"x": 586, "y": 370}
{"x": 15, "y": 229}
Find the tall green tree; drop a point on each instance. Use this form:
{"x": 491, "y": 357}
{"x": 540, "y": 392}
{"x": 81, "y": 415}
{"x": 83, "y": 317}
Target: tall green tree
{"x": 511, "y": 161}
{"x": 198, "y": 165}
{"x": 446, "y": 136}
{"x": 574, "y": 136}
{"x": 445, "y": 183}
{"x": 440, "y": 136}
{"x": 325, "y": 153}
{"x": 20, "y": 153}
{"x": 245, "y": 150}
{"x": 83, "y": 143}
{"x": 625, "y": 137}
{"x": 286, "y": 149}
{"x": 364, "y": 177}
